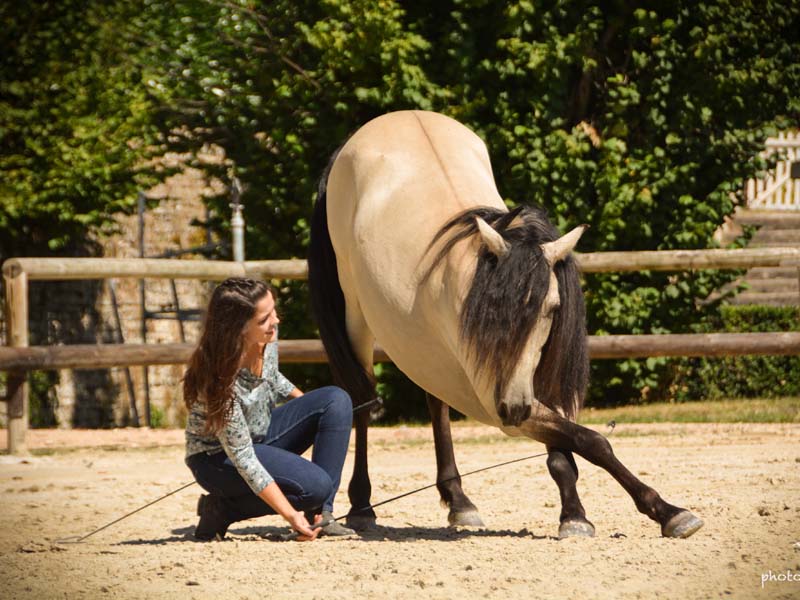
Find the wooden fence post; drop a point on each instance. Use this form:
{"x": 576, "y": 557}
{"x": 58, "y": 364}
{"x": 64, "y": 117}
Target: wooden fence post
{"x": 16, "y": 281}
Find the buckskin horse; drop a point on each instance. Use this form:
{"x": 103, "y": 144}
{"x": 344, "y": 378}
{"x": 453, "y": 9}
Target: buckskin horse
{"x": 412, "y": 246}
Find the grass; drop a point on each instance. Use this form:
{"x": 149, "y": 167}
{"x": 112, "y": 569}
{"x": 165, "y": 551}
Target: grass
{"x": 756, "y": 410}
{"x": 748, "y": 410}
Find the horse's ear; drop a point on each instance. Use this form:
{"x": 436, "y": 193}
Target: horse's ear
{"x": 558, "y": 249}
{"x": 493, "y": 240}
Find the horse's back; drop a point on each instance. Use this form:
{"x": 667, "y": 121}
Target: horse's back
{"x": 399, "y": 178}
{"x": 418, "y": 161}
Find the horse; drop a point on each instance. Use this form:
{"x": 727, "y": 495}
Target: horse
{"x": 481, "y": 306}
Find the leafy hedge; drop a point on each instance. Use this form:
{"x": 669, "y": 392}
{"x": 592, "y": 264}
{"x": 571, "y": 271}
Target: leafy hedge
{"x": 741, "y": 376}
{"x": 75, "y": 124}
{"x": 642, "y": 119}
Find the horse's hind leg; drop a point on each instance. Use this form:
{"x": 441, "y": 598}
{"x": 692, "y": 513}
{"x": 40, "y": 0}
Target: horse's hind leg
{"x": 448, "y": 480}
{"x": 564, "y": 471}
{"x": 553, "y": 430}
{"x": 360, "y": 489}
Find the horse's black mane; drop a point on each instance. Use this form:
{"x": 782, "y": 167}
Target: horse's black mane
{"x": 504, "y": 301}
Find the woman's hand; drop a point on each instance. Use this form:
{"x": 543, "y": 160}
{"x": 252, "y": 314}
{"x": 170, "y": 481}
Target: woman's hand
{"x": 273, "y": 496}
{"x": 300, "y": 524}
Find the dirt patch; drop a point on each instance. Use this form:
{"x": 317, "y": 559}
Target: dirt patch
{"x": 743, "y": 480}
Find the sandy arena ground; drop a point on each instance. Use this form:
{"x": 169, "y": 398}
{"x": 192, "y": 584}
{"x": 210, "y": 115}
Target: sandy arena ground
{"x": 743, "y": 480}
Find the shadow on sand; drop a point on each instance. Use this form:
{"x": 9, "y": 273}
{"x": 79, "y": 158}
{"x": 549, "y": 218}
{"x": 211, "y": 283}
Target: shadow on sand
{"x": 378, "y": 534}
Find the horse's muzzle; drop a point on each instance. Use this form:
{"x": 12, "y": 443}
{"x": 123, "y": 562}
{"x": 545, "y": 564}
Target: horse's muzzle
{"x": 513, "y": 416}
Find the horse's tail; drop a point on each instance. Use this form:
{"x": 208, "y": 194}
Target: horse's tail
{"x": 327, "y": 302}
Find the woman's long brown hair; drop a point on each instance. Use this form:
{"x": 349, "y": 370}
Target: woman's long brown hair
{"x": 215, "y": 362}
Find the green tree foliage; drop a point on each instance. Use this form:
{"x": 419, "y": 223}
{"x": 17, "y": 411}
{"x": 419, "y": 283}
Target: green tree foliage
{"x": 740, "y": 376}
{"x": 279, "y": 86}
{"x": 642, "y": 119}
{"x": 73, "y": 123}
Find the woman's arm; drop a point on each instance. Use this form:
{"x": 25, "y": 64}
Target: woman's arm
{"x": 235, "y": 440}
{"x": 284, "y": 389}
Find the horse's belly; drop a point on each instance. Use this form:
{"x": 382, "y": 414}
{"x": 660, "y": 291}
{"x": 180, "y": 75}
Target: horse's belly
{"x": 432, "y": 367}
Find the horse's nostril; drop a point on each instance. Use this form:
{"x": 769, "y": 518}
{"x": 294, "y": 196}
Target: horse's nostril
{"x": 502, "y": 411}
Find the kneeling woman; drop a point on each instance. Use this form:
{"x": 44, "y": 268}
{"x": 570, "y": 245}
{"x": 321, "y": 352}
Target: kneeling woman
{"x": 242, "y": 449}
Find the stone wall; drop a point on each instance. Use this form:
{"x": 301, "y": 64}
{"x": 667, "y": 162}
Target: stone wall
{"x": 81, "y": 312}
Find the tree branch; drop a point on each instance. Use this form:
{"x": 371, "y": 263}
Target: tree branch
{"x": 260, "y": 20}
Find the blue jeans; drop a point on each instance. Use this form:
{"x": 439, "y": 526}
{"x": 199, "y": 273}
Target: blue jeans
{"x": 322, "y": 418}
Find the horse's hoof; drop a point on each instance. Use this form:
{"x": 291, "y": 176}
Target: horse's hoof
{"x": 681, "y": 525}
{"x": 469, "y": 518}
{"x": 575, "y": 528}
{"x": 361, "y": 522}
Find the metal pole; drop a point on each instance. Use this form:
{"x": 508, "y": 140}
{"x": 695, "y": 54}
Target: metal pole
{"x": 121, "y": 340}
{"x": 208, "y": 226}
{"x": 177, "y": 304}
{"x": 237, "y": 220}
{"x": 143, "y": 308}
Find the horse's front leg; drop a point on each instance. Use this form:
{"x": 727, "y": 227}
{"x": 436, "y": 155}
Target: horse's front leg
{"x": 448, "y": 481}
{"x": 564, "y": 471}
{"x": 550, "y": 428}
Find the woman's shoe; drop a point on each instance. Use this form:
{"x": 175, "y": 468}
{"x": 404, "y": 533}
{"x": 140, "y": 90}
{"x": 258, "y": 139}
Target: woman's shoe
{"x": 214, "y": 519}
{"x": 334, "y": 528}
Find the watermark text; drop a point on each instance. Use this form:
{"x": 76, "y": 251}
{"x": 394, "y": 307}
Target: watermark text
{"x": 779, "y": 576}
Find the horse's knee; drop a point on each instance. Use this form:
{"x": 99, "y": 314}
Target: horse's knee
{"x": 595, "y": 447}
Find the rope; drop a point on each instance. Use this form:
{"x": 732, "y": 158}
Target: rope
{"x": 78, "y": 539}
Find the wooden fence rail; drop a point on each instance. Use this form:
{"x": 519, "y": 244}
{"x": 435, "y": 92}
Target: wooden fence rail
{"x": 105, "y": 356}
{"x": 18, "y": 358}
{"x": 59, "y": 269}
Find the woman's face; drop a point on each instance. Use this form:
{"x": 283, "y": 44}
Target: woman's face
{"x": 262, "y": 327}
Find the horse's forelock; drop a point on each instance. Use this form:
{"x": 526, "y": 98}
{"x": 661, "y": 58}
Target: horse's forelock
{"x": 505, "y": 297}
{"x": 504, "y": 300}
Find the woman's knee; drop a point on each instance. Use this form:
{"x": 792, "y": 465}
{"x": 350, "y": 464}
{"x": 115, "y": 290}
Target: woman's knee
{"x": 339, "y": 403}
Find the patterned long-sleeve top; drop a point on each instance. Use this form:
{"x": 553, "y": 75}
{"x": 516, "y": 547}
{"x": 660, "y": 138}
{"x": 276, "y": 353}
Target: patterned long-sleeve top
{"x": 254, "y": 399}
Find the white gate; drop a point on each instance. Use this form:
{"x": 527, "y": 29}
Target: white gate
{"x": 778, "y": 191}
